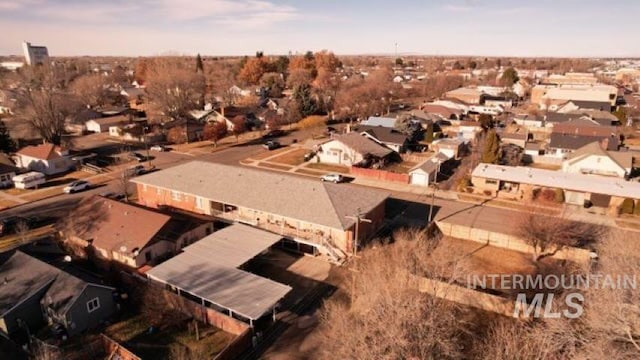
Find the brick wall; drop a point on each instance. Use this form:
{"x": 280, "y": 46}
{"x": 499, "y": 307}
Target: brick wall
{"x": 380, "y": 175}
{"x": 153, "y": 197}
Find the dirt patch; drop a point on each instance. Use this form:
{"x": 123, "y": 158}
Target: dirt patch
{"x": 401, "y": 168}
{"x": 328, "y": 167}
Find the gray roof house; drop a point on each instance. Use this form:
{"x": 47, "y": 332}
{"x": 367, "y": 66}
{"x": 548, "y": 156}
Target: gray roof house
{"x": 389, "y": 137}
{"x": 33, "y": 293}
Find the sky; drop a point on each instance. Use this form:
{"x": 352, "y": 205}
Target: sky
{"x": 562, "y": 28}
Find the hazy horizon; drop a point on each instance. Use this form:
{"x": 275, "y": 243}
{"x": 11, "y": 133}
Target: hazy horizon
{"x": 490, "y": 28}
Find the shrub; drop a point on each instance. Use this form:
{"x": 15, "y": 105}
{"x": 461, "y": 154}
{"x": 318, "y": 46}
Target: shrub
{"x": 312, "y": 121}
{"x": 487, "y": 192}
{"x": 627, "y": 206}
{"x": 637, "y": 209}
{"x": 559, "y": 196}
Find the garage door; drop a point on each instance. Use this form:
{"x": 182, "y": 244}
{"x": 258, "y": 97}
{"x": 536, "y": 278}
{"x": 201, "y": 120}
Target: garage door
{"x": 419, "y": 179}
{"x": 573, "y": 197}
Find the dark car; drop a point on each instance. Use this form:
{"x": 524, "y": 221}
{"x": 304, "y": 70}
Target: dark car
{"x": 138, "y": 156}
{"x": 271, "y": 145}
{"x": 274, "y": 133}
{"x": 308, "y": 156}
{"x": 330, "y": 130}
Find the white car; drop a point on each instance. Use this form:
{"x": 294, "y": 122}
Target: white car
{"x": 159, "y": 148}
{"x": 334, "y": 178}
{"x": 79, "y": 185}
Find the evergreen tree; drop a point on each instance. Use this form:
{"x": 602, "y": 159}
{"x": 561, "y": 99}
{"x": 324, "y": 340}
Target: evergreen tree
{"x": 7, "y": 145}
{"x": 509, "y": 77}
{"x": 491, "y": 151}
{"x": 199, "y": 64}
{"x": 304, "y": 99}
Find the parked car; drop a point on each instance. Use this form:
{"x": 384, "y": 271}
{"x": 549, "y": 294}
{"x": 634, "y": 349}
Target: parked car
{"x": 160, "y": 148}
{"x": 271, "y": 145}
{"x": 274, "y": 133}
{"x": 334, "y": 178}
{"x": 135, "y": 170}
{"x": 113, "y": 195}
{"x": 308, "y": 156}
{"x": 79, "y": 185}
{"x": 138, "y": 156}
{"x": 330, "y": 130}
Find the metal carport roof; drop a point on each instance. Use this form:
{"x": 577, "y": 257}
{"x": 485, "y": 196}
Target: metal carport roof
{"x": 208, "y": 271}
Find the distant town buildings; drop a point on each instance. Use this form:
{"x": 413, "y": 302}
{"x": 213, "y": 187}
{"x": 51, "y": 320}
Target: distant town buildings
{"x": 34, "y": 55}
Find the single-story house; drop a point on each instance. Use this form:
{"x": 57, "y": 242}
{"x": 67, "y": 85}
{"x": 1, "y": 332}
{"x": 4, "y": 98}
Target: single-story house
{"x": 379, "y": 121}
{"x": 449, "y": 113}
{"x": 427, "y": 172}
{"x": 101, "y": 125}
{"x": 304, "y": 210}
{"x": 451, "y": 147}
{"x": 352, "y": 148}
{"x": 389, "y": 137}
{"x": 561, "y": 144}
{"x": 47, "y": 158}
{"x": 530, "y": 121}
{"x": 519, "y": 182}
{"x": 592, "y": 159}
{"x": 130, "y": 234}
{"x": 34, "y": 293}
{"x": 465, "y": 94}
{"x": 518, "y": 139}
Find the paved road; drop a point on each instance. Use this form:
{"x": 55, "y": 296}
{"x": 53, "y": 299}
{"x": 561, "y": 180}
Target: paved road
{"x": 414, "y": 206}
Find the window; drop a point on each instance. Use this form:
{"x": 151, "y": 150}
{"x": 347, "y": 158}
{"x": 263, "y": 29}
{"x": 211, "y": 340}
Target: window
{"x": 144, "y": 187}
{"x": 93, "y": 305}
{"x": 491, "y": 181}
{"x": 177, "y": 196}
{"x": 200, "y": 203}
{"x": 158, "y": 191}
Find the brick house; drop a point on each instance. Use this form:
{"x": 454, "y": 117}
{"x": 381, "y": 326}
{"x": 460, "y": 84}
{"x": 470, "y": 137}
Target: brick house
{"x": 303, "y": 210}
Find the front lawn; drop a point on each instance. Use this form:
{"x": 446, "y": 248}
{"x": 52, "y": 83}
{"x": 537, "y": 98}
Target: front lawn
{"x": 329, "y": 167}
{"x": 293, "y": 158}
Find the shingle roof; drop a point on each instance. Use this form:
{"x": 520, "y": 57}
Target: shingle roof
{"x": 291, "y": 196}
{"x": 42, "y": 151}
{"x": 384, "y": 134}
{"x": 119, "y": 226}
{"x": 574, "y": 142}
{"x": 23, "y": 275}
{"x": 596, "y": 105}
{"x": 623, "y": 158}
{"x": 363, "y": 144}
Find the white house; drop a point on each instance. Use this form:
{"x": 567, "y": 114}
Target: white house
{"x": 48, "y": 159}
{"x": 449, "y": 147}
{"x": 349, "y": 149}
{"x": 592, "y": 159}
{"x": 103, "y": 124}
{"x": 427, "y": 172}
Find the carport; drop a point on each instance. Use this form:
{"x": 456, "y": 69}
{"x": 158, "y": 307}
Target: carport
{"x": 208, "y": 270}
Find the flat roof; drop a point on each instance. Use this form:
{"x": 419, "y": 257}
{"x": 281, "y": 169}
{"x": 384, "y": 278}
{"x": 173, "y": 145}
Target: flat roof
{"x": 233, "y": 245}
{"x": 208, "y": 269}
{"x": 558, "y": 179}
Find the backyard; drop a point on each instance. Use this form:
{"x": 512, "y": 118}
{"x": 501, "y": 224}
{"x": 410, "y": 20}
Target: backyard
{"x": 136, "y": 334}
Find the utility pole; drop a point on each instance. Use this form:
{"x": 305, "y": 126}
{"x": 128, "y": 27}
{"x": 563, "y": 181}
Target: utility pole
{"x": 358, "y": 217}
{"x": 433, "y": 194}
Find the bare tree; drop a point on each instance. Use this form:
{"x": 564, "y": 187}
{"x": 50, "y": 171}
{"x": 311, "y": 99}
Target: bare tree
{"x": 389, "y": 319}
{"x": 215, "y": 131}
{"x": 174, "y": 89}
{"x": 44, "y": 101}
{"x": 548, "y": 235}
{"x": 92, "y": 90}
